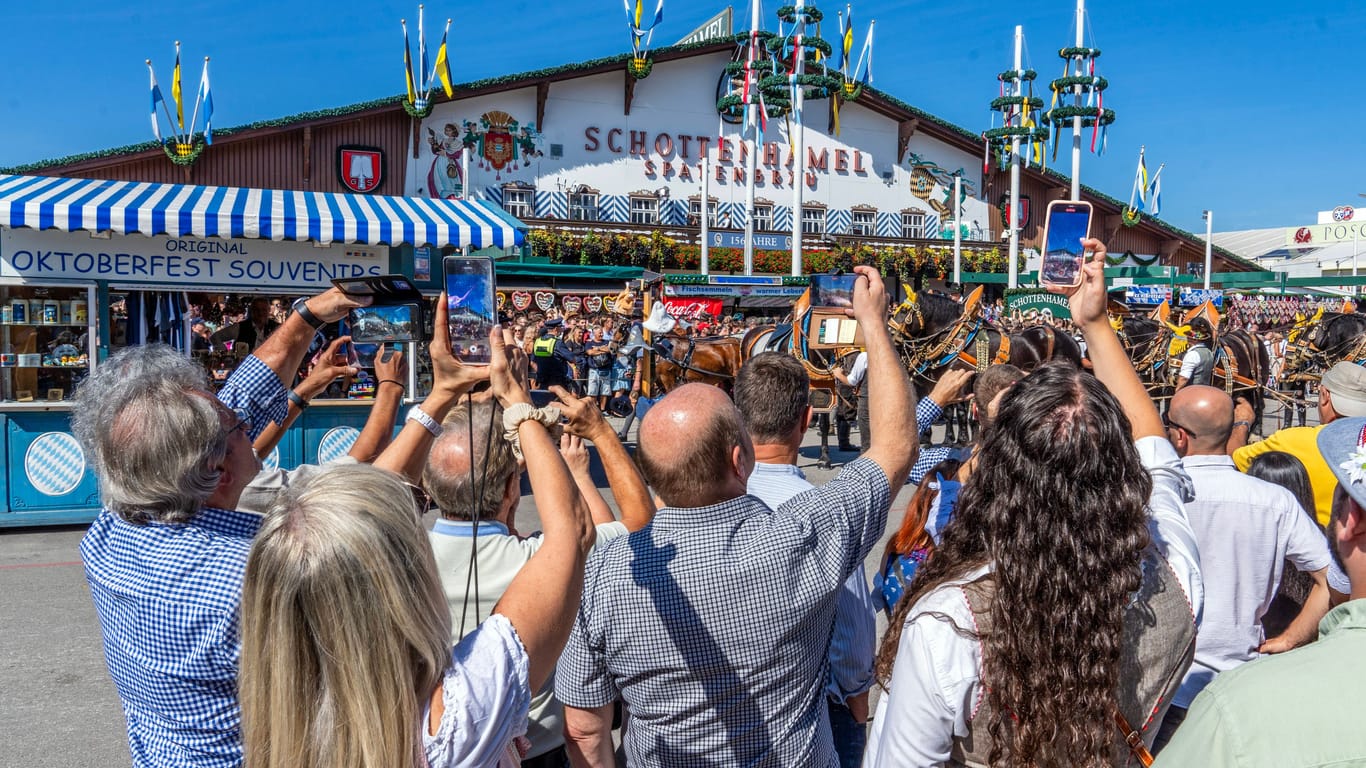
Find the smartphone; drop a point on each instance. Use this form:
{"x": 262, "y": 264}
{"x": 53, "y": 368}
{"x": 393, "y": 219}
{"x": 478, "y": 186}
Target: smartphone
{"x": 471, "y": 309}
{"x": 542, "y": 397}
{"x": 384, "y": 322}
{"x": 1064, "y": 226}
{"x": 832, "y": 291}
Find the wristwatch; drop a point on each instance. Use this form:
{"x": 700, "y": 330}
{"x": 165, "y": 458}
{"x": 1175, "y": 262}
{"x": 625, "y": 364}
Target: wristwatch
{"x": 301, "y": 308}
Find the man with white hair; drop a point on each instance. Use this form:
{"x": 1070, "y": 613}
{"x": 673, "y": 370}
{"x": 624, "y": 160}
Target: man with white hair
{"x": 165, "y": 558}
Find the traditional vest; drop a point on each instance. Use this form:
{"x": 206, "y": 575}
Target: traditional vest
{"x": 1204, "y": 366}
{"x": 1159, "y": 644}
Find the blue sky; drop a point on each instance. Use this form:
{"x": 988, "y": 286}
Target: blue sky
{"x": 1252, "y": 105}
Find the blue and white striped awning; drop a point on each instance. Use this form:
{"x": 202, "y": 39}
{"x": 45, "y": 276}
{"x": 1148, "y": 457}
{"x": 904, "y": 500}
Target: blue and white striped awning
{"x": 182, "y": 210}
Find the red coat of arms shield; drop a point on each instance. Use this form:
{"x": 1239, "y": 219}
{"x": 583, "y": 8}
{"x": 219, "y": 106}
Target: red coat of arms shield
{"x": 360, "y": 169}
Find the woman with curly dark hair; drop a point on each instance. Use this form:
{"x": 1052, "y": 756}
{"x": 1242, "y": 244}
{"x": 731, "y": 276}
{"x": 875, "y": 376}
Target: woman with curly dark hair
{"x": 1057, "y": 614}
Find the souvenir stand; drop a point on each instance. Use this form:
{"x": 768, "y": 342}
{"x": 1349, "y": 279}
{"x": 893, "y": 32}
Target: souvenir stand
{"x": 88, "y": 266}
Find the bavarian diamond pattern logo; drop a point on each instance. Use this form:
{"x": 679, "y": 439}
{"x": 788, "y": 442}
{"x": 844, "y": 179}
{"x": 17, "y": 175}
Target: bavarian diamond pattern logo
{"x": 54, "y": 463}
{"x": 336, "y": 443}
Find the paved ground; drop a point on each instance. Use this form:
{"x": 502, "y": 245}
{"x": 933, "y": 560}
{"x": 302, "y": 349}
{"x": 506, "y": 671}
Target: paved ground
{"x": 57, "y": 704}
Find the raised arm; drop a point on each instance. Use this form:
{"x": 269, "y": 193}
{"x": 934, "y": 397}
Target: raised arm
{"x": 323, "y": 373}
{"x": 543, "y": 598}
{"x": 889, "y": 390}
{"x": 378, "y": 431}
{"x": 1111, "y": 365}
{"x": 576, "y": 456}
{"x": 284, "y": 350}
{"x": 628, "y": 487}
{"x": 451, "y": 380}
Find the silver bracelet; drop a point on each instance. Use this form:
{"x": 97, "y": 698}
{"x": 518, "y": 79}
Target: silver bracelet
{"x": 422, "y": 417}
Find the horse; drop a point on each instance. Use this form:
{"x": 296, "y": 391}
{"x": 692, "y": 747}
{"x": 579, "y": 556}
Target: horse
{"x": 675, "y": 358}
{"x": 934, "y": 333}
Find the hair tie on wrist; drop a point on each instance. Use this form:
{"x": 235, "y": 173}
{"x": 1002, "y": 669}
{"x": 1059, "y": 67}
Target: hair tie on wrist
{"x": 401, "y": 385}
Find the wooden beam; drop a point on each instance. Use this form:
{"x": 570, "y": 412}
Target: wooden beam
{"x": 542, "y": 93}
{"x": 308, "y": 157}
{"x": 630, "y": 88}
{"x": 904, "y": 131}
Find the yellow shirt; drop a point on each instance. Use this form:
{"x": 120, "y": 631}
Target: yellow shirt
{"x": 1303, "y": 444}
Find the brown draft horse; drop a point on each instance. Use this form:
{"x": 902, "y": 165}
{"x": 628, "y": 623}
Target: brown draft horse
{"x": 677, "y": 358}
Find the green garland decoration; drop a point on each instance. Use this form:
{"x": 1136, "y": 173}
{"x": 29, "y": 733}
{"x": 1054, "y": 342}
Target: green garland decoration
{"x": 413, "y": 111}
{"x": 783, "y": 47}
{"x": 1006, "y": 133}
{"x": 851, "y": 91}
{"x": 1087, "y": 82}
{"x": 640, "y": 67}
{"x": 1001, "y": 102}
{"x": 1011, "y": 75}
{"x": 734, "y": 105}
{"x": 1131, "y": 216}
{"x": 183, "y": 154}
{"x": 814, "y": 86}
{"x": 1059, "y": 115}
{"x": 1082, "y": 52}
{"x": 788, "y": 13}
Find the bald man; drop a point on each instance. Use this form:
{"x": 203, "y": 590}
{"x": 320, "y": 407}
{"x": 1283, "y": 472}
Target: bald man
{"x": 1246, "y": 528}
{"x": 713, "y": 623}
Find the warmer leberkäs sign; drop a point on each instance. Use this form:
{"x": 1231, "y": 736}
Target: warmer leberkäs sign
{"x": 1037, "y": 304}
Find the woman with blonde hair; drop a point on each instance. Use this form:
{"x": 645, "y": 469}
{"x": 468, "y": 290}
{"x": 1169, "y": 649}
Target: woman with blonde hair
{"x": 346, "y": 634}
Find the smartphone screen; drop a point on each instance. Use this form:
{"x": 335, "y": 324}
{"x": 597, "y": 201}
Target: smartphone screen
{"x": 832, "y": 290}
{"x": 470, "y": 308}
{"x": 383, "y": 322}
{"x": 1066, "y": 225}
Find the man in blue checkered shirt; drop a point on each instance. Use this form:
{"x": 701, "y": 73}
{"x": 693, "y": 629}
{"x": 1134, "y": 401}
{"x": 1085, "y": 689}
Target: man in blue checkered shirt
{"x": 713, "y": 623}
{"x": 165, "y": 557}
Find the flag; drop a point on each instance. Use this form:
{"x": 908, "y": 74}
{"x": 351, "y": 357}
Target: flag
{"x": 175, "y": 90}
{"x": 846, "y": 38}
{"x": 443, "y": 64}
{"x": 206, "y": 99}
{"x": 408, "y": 66}
{"x": 865, "y": 57}
{"x": 156, "y": 99}
{"x": 421, "y": 52}
{"x": 1155, "y": 192}
{"x": 1140, "y": 183}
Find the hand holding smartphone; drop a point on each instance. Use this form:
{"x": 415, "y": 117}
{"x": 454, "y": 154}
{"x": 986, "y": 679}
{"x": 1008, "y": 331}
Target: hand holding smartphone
{"x": 471, "y": 309}
{"x": 1063, "y": 255}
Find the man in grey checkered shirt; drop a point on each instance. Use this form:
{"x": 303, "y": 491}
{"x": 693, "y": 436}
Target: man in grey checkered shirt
{"x": 713, "y": 623}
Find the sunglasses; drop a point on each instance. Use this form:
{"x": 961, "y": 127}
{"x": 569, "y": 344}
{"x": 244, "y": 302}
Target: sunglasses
{"x": 1169, "y": 424}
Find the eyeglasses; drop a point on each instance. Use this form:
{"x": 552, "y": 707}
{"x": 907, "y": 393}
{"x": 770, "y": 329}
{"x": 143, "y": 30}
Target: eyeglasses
{"x": 1169, "y": 424}
{"x": 243, "y": 421}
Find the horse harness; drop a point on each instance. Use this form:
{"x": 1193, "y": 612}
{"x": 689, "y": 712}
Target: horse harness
{"x": 659, "y": 347}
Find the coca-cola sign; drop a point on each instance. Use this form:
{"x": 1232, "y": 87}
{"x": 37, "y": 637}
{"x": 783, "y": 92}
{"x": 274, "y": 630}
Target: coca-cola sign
{"x": 693, "y": 309}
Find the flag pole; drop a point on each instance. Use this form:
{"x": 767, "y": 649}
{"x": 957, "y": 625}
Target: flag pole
{"x": 464, "y": 170}
{"x": 706, "y": 205}
{"x": 198, "y": 99}
{"x": 957, "y": 231}
{"x": 1076, "y": 101}
{"x": 799, "y": 148}
{"x": 751, "y": 104}
{"x": 1013, "y": 268}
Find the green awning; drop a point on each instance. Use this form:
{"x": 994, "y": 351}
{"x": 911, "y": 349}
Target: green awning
{"x": 573, "y": 271}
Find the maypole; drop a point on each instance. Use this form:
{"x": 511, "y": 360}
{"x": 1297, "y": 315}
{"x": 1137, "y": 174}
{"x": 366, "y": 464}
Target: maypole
{"x": 803, "y": 55}
{"x": 1020, "y": 118}
{"x": 1088, "y": 100}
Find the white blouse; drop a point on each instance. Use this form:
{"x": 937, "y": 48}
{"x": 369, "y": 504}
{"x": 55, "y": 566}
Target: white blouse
{"x": 936, "y": 684}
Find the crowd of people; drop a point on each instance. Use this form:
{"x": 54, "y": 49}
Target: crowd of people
{"x": 1088, "y": 582}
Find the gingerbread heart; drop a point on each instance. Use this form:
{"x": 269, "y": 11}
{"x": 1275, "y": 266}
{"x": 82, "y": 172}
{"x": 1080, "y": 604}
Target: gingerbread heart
{"x": 502, "y": 300}
{"x": 521, "y": 300}
{"x": 593, "y": 304}
{"x": 572, "y": 304}
{"x": 545, "y": 300}
{"x": 609, "y": 303}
